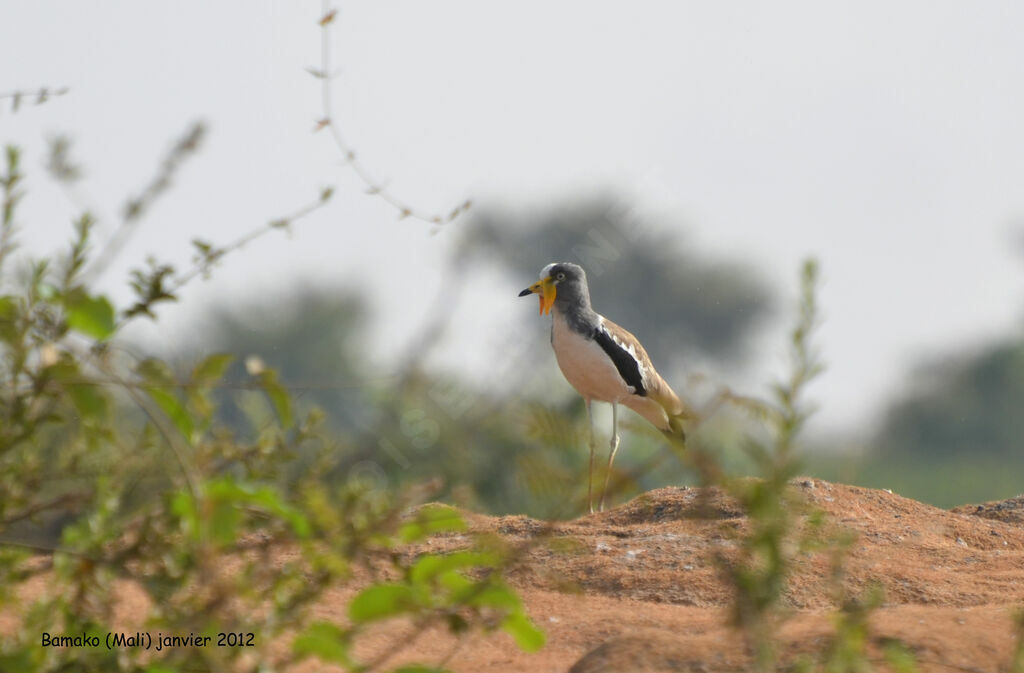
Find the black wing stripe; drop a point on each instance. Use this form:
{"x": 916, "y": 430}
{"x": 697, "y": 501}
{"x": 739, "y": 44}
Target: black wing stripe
{"x": 629, "y": 368}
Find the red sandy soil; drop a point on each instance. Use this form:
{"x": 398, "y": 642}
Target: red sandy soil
{"x": 638, "y": 589}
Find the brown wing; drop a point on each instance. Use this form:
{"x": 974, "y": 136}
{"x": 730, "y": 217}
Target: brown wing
{"x": 654, "y": 386}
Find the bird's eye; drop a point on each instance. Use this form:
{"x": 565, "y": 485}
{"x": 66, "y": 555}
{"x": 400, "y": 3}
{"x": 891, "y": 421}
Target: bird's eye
{"x": 560, "y": 276}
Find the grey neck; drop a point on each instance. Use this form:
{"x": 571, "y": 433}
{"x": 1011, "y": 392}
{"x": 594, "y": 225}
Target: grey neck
{"x": 573, "y": 304}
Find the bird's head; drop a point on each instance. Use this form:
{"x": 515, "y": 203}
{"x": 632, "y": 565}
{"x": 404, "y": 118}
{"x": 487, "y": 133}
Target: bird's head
{"x": 562, "y": 280}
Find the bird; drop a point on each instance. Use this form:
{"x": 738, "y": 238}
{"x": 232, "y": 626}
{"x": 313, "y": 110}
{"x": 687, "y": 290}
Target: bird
{"x": 602, "y": 361}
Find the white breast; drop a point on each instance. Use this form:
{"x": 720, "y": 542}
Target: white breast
{"x": 585, "y": 364}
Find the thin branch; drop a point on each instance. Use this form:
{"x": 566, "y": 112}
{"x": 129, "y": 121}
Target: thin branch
{"x": 209, "y": 256}
{"x": 461, "y": 641}
{"x": 43, "y": 92}
{"x": 136, "y": 206}
{"x": 36, "y": 96}
{"x": 47, "y": 549}
{"x": 205, "y": 264}
{"x": 190, "y": 479}
{"x": 28, "y": 512}
{"x": 329, "y": 121}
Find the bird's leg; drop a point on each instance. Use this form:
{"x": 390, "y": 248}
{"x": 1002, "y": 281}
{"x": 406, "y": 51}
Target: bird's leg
{"x": 611, "y": 454}
{"x": 590, "y": 479}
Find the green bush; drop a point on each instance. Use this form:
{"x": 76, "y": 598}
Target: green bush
{"x": 126, "y": 461}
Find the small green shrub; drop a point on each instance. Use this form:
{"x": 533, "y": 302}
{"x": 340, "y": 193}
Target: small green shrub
{"x": 126, "y": 461}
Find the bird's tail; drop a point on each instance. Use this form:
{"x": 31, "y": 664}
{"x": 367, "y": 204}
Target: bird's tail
{"x": 663, "y": 408}
{"x": 675, "y": 432}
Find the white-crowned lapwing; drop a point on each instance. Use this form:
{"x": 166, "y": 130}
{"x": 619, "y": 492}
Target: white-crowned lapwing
{"x": 602, "y": 361}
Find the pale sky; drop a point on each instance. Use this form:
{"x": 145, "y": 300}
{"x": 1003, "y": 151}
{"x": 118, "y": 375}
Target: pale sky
{"x": 884, "y": 138}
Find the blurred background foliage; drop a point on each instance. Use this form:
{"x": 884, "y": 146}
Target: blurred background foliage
{"x": 953, "y": 436}
{"x": 641, "y": 274}
{"x": 517, "y": 446}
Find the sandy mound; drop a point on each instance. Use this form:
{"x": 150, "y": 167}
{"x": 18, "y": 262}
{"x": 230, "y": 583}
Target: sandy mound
{"x": 637, "y": 588}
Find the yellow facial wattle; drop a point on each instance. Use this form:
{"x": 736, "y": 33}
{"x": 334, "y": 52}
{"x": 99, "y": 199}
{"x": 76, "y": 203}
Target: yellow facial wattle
{"x": 546, "y": 291}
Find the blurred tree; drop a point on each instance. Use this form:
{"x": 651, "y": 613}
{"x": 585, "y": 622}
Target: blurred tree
{"x": 311, "y": 336}
{"x": 402, "y": 422}
{"x": 406, "y": 424}
{"x": 641, "y": 276}
{"x": 966, "y": 408}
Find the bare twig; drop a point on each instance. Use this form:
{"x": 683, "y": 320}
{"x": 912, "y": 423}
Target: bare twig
{"x": 55, "y": 503}
{"x": 35, "y": 96}
{"x": 47, "y": 549}
{"x": 205, "y": 263}
{"x": 136, "y": 206}
{"x": 329, "y": 121}
{"x": 207, "y": 257}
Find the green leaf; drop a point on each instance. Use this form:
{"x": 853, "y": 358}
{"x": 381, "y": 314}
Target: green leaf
{"x": 526, "y": 634}
{"x": 183, "y": 505}
{"x": 264, "y": 497}
{"x": 379, "y": 601}
{"x": 174, "y": 410}
{"x": 278, "y": 397}
{"x": 88, "y": 399}
{"x": 212, "y": 368}
{"x": 433, "y": 565}
{"x": 325, "y": 641}
{"x": 224, "y": 522}
{"x": 156, "y": 372}
{"x": 494, "y": 596}
{"x": 8, "y": 312}
{"x": 431, "y": 519}
{"x": 92, "y": 316}
{"x": 90, "y": 403}
{"x": 270, "y": 500}
{"x": 456, "y": 584}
